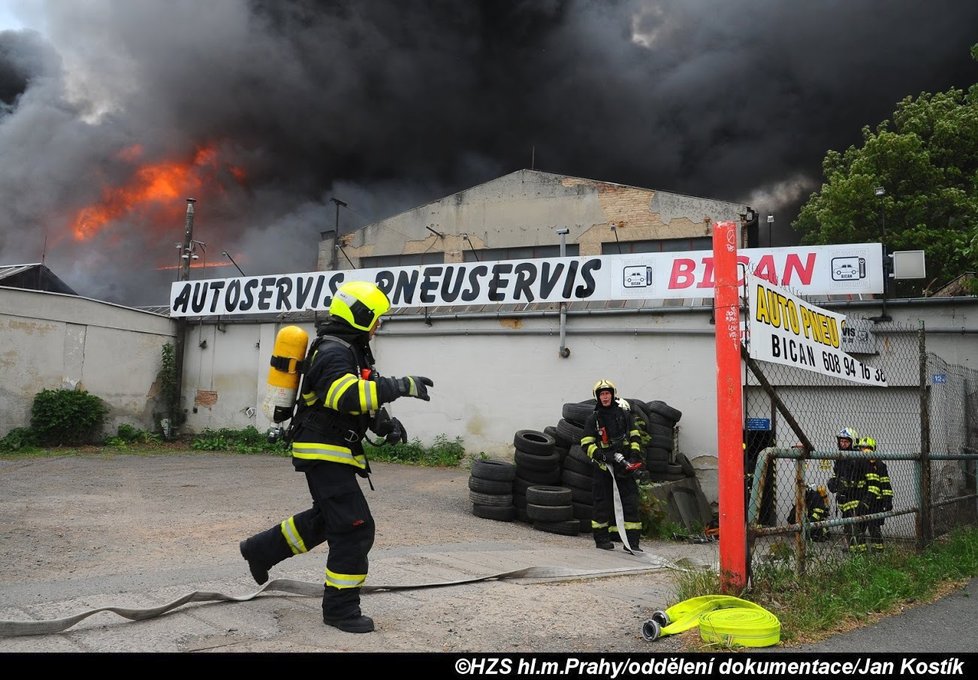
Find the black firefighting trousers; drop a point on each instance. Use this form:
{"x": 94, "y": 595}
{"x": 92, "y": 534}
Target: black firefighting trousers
{"x": 340, "y": 517}
{"x": 603, "y": 523}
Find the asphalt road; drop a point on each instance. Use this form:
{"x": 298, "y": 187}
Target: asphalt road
{"x": 139, "y": 531}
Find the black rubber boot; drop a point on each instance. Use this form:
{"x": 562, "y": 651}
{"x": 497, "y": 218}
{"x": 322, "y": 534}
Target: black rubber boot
{"x": 341, "y": 610}
{"x": 633, "y": 540}
{"x": 258, "y": 571}
{"x": 351, "y": 624}
{"x": 604, "y": 545}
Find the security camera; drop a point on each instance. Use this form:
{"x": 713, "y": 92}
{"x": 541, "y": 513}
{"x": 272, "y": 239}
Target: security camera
{"x": 563, "y": 231}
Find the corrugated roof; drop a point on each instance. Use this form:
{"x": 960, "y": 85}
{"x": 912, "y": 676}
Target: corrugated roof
{"x": 33, "y": 276}
{"x": 8, "y": 270}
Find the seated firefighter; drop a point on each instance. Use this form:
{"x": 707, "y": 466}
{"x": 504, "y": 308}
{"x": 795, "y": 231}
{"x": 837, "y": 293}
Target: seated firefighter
{"x": 877, "y": 497}
{"x": 611, "y": 441}
{"x": 816, "y": 510}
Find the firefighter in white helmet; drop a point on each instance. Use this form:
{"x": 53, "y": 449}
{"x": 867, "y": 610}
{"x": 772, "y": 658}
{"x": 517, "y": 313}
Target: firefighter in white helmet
{"x": 340, "y": 396}
{"x": 847, "y": 481}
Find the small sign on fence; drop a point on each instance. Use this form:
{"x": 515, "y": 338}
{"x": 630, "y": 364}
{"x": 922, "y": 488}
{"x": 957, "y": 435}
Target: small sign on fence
{"x": 758, "y": 423}
{"x": 939, "y": 378}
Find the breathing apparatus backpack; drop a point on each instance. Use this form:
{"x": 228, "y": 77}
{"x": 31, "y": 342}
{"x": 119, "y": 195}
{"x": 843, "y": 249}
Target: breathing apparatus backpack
{"x": 283, "y": 398}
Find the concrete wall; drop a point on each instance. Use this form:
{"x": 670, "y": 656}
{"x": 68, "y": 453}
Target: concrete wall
{"x": 496, "y": 374}
{"x": 54, "y": 341}
{"x": 523, "y": 209}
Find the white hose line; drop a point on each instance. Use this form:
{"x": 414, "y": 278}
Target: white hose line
{"x": 306, "y": 589}
{"x": 619, "y": 512}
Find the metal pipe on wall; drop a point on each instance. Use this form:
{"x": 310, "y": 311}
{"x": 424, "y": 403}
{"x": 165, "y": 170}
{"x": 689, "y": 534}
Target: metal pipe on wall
{"x": 564, "y": 351}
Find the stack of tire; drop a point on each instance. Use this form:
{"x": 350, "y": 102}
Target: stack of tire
{"x": 491, "y": 490}
{"x": 537, "y": 464}
{"x": 662, "y": 461}
{"x": 549, "y": 508}
{"x": 577, "y": 474}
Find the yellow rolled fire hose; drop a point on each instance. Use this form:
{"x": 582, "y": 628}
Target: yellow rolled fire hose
{"x": 722, "y": 619}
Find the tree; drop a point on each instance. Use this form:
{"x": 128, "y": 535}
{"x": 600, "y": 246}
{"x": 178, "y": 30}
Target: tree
{"x": 926, "y": 160}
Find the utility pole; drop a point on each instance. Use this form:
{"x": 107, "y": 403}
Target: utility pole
{"x": 334, "y": 257}
{"x": 180, "y": 340}
{"x": 880, "y": 192}
{"x": 188, "y": 237}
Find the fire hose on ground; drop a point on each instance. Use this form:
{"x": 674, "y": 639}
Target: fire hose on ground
{"x": 305, "y": 588}
{"x": 722, "y": 619}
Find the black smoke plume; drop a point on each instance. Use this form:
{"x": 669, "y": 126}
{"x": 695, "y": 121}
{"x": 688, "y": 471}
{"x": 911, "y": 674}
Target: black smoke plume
{"x": 389, "y": 105}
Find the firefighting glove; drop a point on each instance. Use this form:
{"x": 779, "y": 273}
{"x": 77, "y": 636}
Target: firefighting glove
{"x": 599, "y": 456}
{"x": 414, "y": 386}
{"x": 397, "y": 434}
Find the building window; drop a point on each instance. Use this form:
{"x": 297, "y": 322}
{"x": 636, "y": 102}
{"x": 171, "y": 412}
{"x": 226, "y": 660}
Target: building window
{"x": 668, "y": 245}
{"x": 521, "y": 253}
{"x": 407, "y": 260}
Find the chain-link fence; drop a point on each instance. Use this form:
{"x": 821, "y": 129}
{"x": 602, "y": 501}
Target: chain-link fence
{"x": 810, "y": 501}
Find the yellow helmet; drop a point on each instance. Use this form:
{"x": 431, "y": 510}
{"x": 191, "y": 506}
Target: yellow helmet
{"x": 867, "y": 443}
{"x": 360, "y": 304}
{"x": 602, "y": 385}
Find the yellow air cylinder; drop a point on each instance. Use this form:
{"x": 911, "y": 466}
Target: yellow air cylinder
{"x": 283, "y": 374}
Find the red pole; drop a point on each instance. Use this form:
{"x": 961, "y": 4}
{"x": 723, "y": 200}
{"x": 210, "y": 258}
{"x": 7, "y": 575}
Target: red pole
{"x": 730, "y": 419}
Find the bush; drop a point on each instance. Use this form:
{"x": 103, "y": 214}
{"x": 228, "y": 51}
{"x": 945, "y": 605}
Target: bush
{"x": 127, "y": 434}
{"x": 248, "y": 440}
{"x": 442, "y": 453}
{"x": 67, "y": 417}
{"x": 19, "y": 439}
{"x": 655, "y": 521}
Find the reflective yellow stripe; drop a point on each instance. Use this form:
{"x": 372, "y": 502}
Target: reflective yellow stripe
{"x": 344, "y": 580}
{"x": 633, "y": 525}
{"x": 368, "y": 396}
{"x": 851, "y": 505}
{"x": 588, "y": 440}
{"x": 309, "y": 398}
{"x": 292, "y": 536}
{"x": 328, "y": 452}
{"x": 336, "y": 390}
{"x": 598, "y": 525}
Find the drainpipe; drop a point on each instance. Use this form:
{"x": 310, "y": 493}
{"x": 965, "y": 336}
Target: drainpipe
{"x": 564, "y": 351}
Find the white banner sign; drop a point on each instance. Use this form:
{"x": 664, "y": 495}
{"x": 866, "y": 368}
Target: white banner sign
{"x": 811, "y": 270}
{"x": 784, "y": 329}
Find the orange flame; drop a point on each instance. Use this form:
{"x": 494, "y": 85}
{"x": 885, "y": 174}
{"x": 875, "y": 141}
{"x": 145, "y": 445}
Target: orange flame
{"x": 153, "y": 183}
